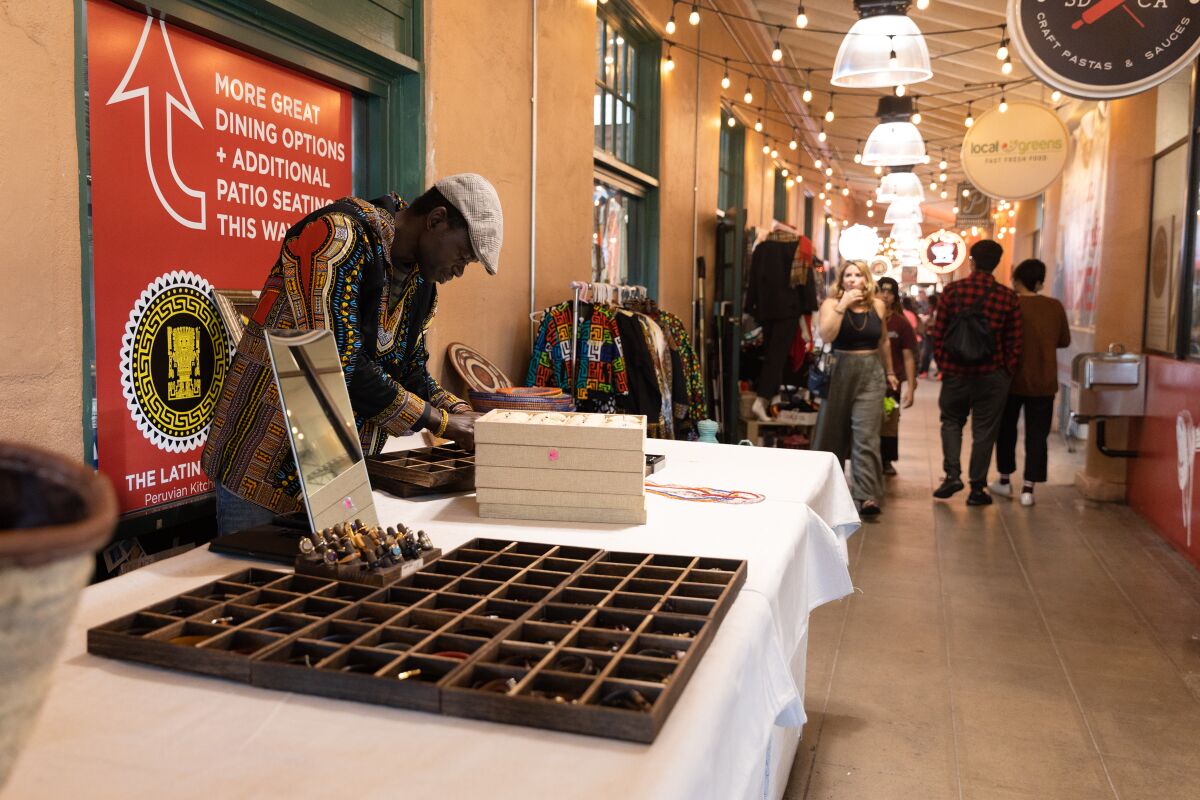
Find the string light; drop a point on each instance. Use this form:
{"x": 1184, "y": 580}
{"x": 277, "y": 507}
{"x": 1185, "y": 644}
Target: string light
{"x": 845, "y": 191}
{"x": 790, "y": 183}
{"x": 858, "y": 151}
{"x": 671, "y": 21}
{"x": 777, "y": 53}
{"x": 1002, "y": 50}
{"x": 970, "y": 120}
{"x": 1056, "y": 95}
{"x": 807, "y": 95}
{"x": 784, "y": 172}
{"x": 801, "y": 17}
{"x": 694, "y": 17}
{"x": 942, "y": 164}
{"x": 966, "y": 192}
{"x": 954, "y": 211}
{"x": 829, "y": 172}
{"x": 821, "y": 196}
{"x": 829, "y": 111}
{"x": 725, "y": 78}
{"x": 1003, "y": 102}
{"x": 817, "y": 163}
{"x": 828, "y": 185}
{"x": 793, "y": 144}
{"x": 916, "y": 115}
{"x": 1006, "y": 67}
{"x": 758, "y": 125}
{"x": 669, "y": 64}
{"x": 870, "y": 203}
{"x": 731, "y": 121}
{"x": 879, "y": 170}
{"x": 828, "y": 202}
{"x": 799, "y": 178}
{"x": 933, "y": 186}
{"x": 774, "y": 153}
{"x": 766, "y": 149}
{"x": 821, "y": 136}
{"x": 870, "y": 213}
{"x": 748, "y": 97}
{"x": 942, "y": 177}
{"x": 922, "y": 5}
{"x": 945, "y": 194}
{"x": 900, "y": 90}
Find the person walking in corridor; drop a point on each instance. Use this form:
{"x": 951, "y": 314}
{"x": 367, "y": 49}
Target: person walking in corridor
{"x": 849, "y": 420}
{"x": 903, "y": 341}
{"x": 977, "y": 344}
{"x": 1044, "y": 330}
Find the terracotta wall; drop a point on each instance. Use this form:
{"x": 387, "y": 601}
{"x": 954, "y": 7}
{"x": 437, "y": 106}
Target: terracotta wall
{"x": 41, "y": 324}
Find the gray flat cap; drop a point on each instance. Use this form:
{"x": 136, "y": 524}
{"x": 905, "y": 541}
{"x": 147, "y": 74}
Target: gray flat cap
{"x": 476, "y": 199}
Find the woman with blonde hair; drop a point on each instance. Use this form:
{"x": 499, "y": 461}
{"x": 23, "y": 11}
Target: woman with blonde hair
{"x": 851, "y": 318}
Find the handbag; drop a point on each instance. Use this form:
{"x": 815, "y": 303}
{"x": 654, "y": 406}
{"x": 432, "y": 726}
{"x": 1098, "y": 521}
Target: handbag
{"x": 820, "y": 374}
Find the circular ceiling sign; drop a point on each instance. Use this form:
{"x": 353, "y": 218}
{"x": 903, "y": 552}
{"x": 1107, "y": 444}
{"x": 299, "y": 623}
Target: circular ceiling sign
{"x": 943, "y": 251}
{"x": 1105, "y": 48}
{"x": 1017, "y": 153}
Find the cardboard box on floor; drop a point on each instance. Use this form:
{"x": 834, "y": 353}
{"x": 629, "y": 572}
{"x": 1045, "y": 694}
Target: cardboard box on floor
{"x": 561, "y": 466}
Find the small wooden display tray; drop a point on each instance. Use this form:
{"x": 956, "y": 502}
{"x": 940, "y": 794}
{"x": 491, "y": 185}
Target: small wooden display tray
{"x": 573, "y": 624}
{"x": 424, "y": 469}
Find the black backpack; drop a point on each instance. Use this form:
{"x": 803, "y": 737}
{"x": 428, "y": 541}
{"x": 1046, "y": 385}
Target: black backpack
{"x": 969, "y": 338}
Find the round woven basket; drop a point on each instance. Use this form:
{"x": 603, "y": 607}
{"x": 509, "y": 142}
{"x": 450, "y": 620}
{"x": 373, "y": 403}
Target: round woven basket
{"x": 54, "y": 515}
{"x": 522, "y": 398}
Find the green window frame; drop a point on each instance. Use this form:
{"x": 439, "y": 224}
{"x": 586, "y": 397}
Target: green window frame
{"x": 625, "y": 139}
{"x": 808, "y": 215}
{"x": 781, "y": 198}
{"x": 731, "y": 169}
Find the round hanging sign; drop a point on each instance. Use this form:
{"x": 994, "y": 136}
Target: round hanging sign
{"x": 943, "y": 251}
{"x": 1105, "y": 48}
{"x": 1015, "y": 154}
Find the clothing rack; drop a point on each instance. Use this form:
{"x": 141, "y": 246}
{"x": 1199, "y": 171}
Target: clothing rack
{"x": 592, "y": 292}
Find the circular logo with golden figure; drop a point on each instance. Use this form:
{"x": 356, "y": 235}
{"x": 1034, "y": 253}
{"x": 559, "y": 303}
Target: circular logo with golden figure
{"x": 174, "y": 355}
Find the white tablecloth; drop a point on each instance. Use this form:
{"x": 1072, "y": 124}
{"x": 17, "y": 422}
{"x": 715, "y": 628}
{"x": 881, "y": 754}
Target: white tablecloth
{"x": 116, "y": 729}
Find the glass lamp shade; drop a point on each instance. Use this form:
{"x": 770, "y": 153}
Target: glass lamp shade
{"x": 898, "y": 186}
{"x": 904, "y": 211}
{"x": 858, "y": 243}
{"x": 906, "y": 235}
{"x": 909, "y": 258}
{"x": 894, "y": 144}
{"x": 864, "y": 59}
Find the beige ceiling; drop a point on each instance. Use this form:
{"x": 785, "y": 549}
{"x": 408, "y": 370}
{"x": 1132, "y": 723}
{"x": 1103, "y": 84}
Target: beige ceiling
{"x": 959, "y": 60}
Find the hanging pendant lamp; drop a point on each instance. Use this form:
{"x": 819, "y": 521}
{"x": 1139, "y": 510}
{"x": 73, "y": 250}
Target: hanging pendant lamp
{"x": 858, "y": 243}
{"x": 900, "y": 185}
{"x": 884, "y": 48}
{"x": 906, "y": 235}
{"x": 903, "y": 211}
{"x": 895, "y": 142}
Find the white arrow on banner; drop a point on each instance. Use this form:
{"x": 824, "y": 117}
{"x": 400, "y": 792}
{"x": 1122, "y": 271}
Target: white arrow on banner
{"x": 149, "y": 89}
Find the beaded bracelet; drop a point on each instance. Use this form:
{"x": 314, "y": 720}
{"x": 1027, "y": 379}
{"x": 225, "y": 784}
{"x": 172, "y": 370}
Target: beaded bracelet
{"x": 445, "y": 421}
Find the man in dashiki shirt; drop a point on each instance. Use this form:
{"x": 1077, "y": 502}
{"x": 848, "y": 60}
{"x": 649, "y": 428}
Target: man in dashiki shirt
{"x": 367, "y": 271}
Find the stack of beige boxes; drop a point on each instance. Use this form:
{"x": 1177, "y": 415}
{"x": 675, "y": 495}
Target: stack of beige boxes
{"x": 561, "y": 466}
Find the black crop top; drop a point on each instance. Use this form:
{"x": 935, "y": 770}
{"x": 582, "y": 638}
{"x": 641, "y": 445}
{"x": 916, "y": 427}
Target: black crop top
{"x": 861, "y": 330}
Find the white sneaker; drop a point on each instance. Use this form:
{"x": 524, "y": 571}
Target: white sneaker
{"x": 759, "y": 410}
{"x": 1001, "y": 489}
{"x": 1026, "y": 499}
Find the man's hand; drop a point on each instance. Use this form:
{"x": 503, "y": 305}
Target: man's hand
{"x": 460, "y": 429}
{"x": 906, "y": 397}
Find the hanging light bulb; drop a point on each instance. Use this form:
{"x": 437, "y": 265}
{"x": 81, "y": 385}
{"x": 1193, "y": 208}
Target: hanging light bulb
{"x": 870, "y": 203}
{"x": 777, "y": 52}
{"x": 801, "y": 17}
{"x": 790, "y": 183}
{"x": 970, "y": 120}
{"x": 828, "y": 203}
{"x": 669, "y": 64}
{"x": 821, "y": 196}
{"x": 774, "y": 153}
{"x": 821, "y": 136}
{"x": 845, "y": 191}
{"x": 942, "y": 177}
{"x": 900, "y": 90}
{"x": 916, "y": 117}
{"x": 857, "y": 157}
{"x": 829, "y": 172}
{"x": 870, "y": 213}
{"x": 1002, "y": 50}
{"x": 966, "y": 192}
{"x": 694, "y": 17}
{"x": 1003, "y": 103}
{"x": 784, "y": 172}
{"x": 944, "y": 194}
{"x": 731, "y": 121}
{"x": 828, "y": 185}
{"x": 748, "y": 97}
{"x": 766, "y": 149}
{"x": 799, "y": 178}
{"x": 954, "y": 210}
{"x": 817, "y": 163}
{"x": 1006, "y": 67}
{"x": 879, "y": 170}
{"x": 725, "y": 78}
{"x": 922, "y": 5}
{"x": 1056, "y": 95}
{"x": 829, "y": 111}
{"x": 671, "y": 21}
{"x": 758, "y": 125}
{"x": 793, "y": 144}
{"x": 933, "y": 186}
{"x": 942, "y": 164}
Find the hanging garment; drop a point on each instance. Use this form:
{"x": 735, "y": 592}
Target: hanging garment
{"x": 660, "y": 355}
{"x": 600, "y": 364}
{"x": 692, "y": 377}
{"x": 645, "y": 396}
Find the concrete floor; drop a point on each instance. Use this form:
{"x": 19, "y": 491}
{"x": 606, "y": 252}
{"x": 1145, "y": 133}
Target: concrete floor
{"x": 1003, "y": 652}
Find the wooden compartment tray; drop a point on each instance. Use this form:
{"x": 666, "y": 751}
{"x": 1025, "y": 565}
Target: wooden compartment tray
{"x": 549, "y": 636}
{"x": 423, "y": 470}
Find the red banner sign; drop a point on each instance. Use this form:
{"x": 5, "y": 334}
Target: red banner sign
{"x": 201, "y": 158}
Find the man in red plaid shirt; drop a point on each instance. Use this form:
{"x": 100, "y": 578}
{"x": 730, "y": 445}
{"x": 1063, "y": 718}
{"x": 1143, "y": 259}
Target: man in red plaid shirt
{"x": 976, "y": 389}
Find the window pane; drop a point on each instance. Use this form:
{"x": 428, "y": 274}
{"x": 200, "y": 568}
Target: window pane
{"x": 598, "y": 116}
{"x": 599, "y": 48}
{"x": 616, "y": 231}
{"x": 620, "y": 114}
{"x": 1166, "y": 242}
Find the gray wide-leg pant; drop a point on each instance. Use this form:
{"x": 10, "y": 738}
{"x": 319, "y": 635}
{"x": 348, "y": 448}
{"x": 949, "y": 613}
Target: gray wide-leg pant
{"x": 848, "y": 425}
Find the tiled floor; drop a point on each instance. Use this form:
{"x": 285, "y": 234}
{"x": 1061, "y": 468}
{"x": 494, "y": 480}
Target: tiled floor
{"x": 1003, "y": 652}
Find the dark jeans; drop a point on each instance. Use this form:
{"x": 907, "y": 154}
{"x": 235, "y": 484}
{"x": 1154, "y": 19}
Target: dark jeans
{"x": 778, "y": 335}
{"x": 982, "y": 397}
{"x": 235, "y": 513}
{"x": 1039, "y": 411}
{"x": 926, "y": 354}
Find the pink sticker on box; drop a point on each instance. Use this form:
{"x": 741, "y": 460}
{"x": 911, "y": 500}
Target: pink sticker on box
{"x": 553, "y": 454}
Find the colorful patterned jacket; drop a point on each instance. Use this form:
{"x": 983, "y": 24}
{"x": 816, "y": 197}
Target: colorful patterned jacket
{"x": 333, "y": 272}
